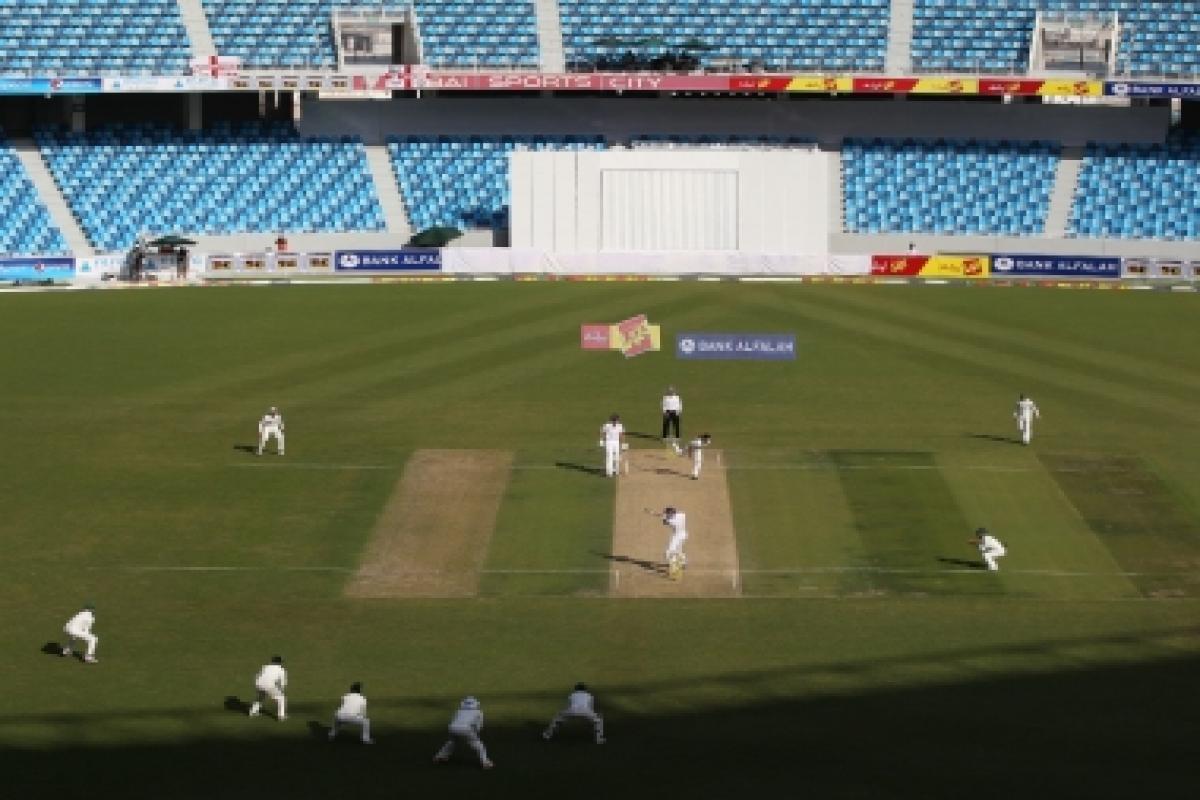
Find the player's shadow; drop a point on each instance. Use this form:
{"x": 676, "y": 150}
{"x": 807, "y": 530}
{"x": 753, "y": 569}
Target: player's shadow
{"x": 649, "y": 566}
{"x": 317, "y": 730}
{"x": 237, "y": 705}
{"x": 638, "y": 435}
{"x": 245, "y": 448}
{"x": 579, "y": 467}
{"x": 992, "y": 437}
{"x": 960, "y": 562}
{"x": 52, "y": 649}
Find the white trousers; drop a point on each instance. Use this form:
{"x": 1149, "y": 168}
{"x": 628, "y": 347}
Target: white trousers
{"x": 612, "y": 458}
{"x": 675, "y": 547}
{"x": 266, "y": 434}
{"x": 697, "y": 460}
{"x": 273, "y": 693}
{"x": 566, "y": 714}
{"x": 352, "y": 719}
{"x": 1025, "y": 426}
{"x": 990, "y": 555}
{"x": 466, "y": 735}
{"x": 88, "y": 638}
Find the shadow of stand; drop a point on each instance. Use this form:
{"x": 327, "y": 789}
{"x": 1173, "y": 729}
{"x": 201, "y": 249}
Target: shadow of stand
{"x": 319, "y": 731}
{"x": 655, "y": 567}
{"x": 961, "y": 562}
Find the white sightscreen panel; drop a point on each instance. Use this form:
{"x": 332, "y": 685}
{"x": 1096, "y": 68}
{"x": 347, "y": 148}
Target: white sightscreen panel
{"x": 666, "y": 209}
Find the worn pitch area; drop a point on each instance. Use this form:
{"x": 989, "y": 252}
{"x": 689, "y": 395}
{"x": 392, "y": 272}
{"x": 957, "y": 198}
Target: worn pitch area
{"x": 432, "y": 537}
{"x": 659, "y": 478}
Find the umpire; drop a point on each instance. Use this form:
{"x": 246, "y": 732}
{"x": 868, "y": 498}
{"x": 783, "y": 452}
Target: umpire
{"x": 672, "y": 409}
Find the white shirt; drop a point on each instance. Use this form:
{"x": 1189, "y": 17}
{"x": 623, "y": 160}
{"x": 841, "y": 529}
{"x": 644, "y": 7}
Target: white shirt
{"x": 1027, "y": 409}
{"x": 271, "y": 421}
{"x": 580, "y": 702}
{"x": 272, "y": 675}
{"x": 468, "y": 718}
{"x": 677, "y": 523}
{"x": 353, "y": 705}
{"x": 987, "y": 542}
{"x": 695, "y": 445}
{"x": 612, "y": 432}
{"x": 81, "y": 622}
{"x": 672, "y": 402}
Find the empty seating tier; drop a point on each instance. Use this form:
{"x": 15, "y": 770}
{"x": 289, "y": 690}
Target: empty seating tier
{"x": 124, "y": 181}
{"x": 25, "y": 225}
{"x": 462, "y": 181}
{"x": 485, "y": 33}
{"x": 89, "y": 37}
{"x": 950, "y": 187}
{"x": 780, "y": 34}
{"x": 1139, "y": 191}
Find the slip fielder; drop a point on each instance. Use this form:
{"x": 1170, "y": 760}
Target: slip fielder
{"x": 353, "y": 711}
{"x": 989, "y": 547}
{"x": 270, "y": 425}
{"x": 79, "y": 627}
{"x": 270, "y": 682}
{"x": 465, "y": 727}
{"x": 580, "y": 705}
{"x": 1024, "y": 414}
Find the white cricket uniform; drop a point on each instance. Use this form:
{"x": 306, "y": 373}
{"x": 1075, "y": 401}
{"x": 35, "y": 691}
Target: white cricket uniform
{"x": 581, "y": 705}
{"x": 678, "y": 525}
{"x": 1026, "y": 411}
{"x": 353, "y": 711}
{"x": 271, "y": 425}
{"x": 991, "y": 549}
{"x": 465, "y": 727}
{"x": 270, "y": 682}
{"x": 79, "y": 627}
{"x": 696, "y": 448}
{"x": 612, "y": 434}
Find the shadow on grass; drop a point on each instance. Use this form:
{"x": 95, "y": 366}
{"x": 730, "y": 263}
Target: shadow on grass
{"x": 246, "y": 448}
{"x": 925, "y": 727}
{"x": 579, "y": 467}
{"x": 961, "y": 562}
{"x": 237, "y": 705}
{"x": 650, "y": 566}
{"x": 52, "y": 649}
{"x": 992, "y": 437}
{"x": 639, "y": 435}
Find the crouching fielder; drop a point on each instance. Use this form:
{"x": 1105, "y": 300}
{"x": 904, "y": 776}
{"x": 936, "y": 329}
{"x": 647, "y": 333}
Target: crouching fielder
{"x": 465, "y": 727}
{"x": 989, "y": 547}
{"x": 270, "y": 425}
{"x": 695, "y": 449}
{"x": 581, "y": 705}
{"x": 1024, "y": 414}
{"x": 353, "y": 711}
{"x": 79, "y": 628}
{"x": 270, "y": 682}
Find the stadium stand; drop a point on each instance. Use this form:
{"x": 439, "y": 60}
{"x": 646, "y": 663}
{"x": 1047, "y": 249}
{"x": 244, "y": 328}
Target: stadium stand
{"x": 25, "y": 224}
{"x": 298, "y": 34}
{"x": 1139, "y": 191}
{"x": 89, "y": 37}
{"x": 123, "y": 181}
{"x": 779, "y": 34}
{"x": 947, "y": 187}
{"x": 1157, "y": 38}
{"x": 462, "y": 181}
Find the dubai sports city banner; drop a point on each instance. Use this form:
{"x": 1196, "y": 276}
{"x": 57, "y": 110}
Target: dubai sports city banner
{"x": 938, "y": 266}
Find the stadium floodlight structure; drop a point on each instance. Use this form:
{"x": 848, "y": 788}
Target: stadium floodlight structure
{"x": 1075, "y": 42}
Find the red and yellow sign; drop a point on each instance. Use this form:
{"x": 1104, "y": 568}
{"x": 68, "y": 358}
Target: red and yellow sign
{"x": 817, "y": 83}
{"x": 1042, "y": 88}
{"x": 632, "y": 336}
{"x": 939, "y": 266}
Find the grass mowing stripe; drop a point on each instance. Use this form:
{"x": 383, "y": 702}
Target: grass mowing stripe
{"x": 1145, "y": 526}
{"x": 552, "y": 532}
{"x": 910, "y": 521}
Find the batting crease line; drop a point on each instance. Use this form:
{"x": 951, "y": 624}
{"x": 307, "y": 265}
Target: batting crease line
{"x": 694, "y": 571}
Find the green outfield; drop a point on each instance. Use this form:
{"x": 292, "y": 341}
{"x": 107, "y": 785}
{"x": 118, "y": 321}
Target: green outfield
{"x": 866, "y": 656}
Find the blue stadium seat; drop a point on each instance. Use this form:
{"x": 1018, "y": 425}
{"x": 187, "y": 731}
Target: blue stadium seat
{"x": 25, "y": 224}
{"x": 1139, "y": 191}
{"x": 947, "y": 186}
{"x": 125, "y": 180}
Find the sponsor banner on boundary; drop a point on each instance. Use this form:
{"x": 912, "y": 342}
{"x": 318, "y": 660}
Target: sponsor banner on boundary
{"x": 702, "y": 345}
{"x": 1139, "y": 89}
{"x": 32, "y": 269}
{"x": 1043, "y": 88}
{"x": 405, "y": 260}
{"x": 49, "y": 85}
{"x": 1168, "y": 268}
{"x": 916, "y": 85}
{"x": 631, "y": 337}
{"x": 938, "y": 266}
{"x": 566, "y": 82}
{"x": 1026, "y": 265}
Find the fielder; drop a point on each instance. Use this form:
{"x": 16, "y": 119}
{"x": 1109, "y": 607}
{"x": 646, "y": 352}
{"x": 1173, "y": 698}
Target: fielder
{"x": 1024, "y": 414}
{"x": 581, "y": 705}
{"x": 270, "y": 425}
{"x": 672, "y": 410}
{"x": 676, "y": 520}
{"x": 465, "y": 727}
{"x": 989, "y": 547}
{"x": 79, "y": 628}
{"x": 271, "y": 681}
{"x": 353, "y": 711}
{"x": 695, "y": 449}
{"x": 612, "y": 434}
